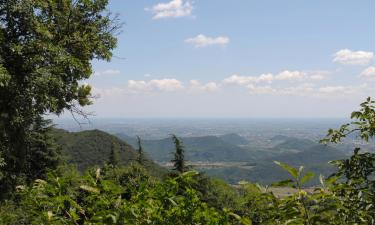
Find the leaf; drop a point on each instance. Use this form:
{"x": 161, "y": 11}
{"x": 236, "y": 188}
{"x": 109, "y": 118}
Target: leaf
{"x": 284, "y": 183}
{"x": 90, "y": 189}
{"x": 243, "y": 182}
{"x": 332, "y": 179}
{"x": 97, "y": 173}
{"x": 113, "y": 218}
{"x": 191, "y": 173}
{"x": 172, "y": 201}
{"x": 308, "y": 176}
{"x": 292, "y": 171}
{"x": 321, "y": 180}
{"x": 49, "y": 215}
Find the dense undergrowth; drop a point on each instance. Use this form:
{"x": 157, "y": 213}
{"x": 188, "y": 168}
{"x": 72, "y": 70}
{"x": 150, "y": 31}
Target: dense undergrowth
{"x": 128, "y": 195}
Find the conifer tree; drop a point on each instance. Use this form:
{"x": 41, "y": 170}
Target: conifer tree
{"x": 179, "y": 163}
{"x": 140, "y": 158}
{"x": 113, "y": 156}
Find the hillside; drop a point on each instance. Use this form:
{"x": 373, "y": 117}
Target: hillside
{"x": 316, "y": 154}
{"x": 234, "y": 139}
{"x": 205, "y": 148}
{"x": 314, "y": 157}
{"x": 93, "y": 147}
{"x": 294, "y": 151}
{"x": 292, "y": 143}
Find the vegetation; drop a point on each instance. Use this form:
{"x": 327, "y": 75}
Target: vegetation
{"x": 206, "y": 148}
{"x": 113, "y": 156}
{"x": 87, "y": 149}
{"x": 140, "y": 157}
{"x": 131, "y": 195}
{"x": 246, "y": 162}
{"x": 179, "y": 164}
{"x": 46, "y": 48}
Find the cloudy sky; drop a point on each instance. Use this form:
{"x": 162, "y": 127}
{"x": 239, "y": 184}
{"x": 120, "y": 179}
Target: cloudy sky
{"x": 243, "y": 58}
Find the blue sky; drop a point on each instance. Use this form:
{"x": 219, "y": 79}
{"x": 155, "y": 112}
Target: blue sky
{"x": 242, "y": 58}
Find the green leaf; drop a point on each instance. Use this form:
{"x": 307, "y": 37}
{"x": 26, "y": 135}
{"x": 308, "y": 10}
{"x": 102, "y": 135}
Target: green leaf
{"x": 308, "y": 176}
{"x": 291, "y": 170}
{"x": 191, "y": 173}
{"x": 90, "y": 189}
{"x": 283, "y": 183}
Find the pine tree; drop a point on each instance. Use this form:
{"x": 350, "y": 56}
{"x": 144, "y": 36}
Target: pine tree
{"x": 140, "y": 158}
{"x": 113, "y": 156}
{"x": 179, "y": 163}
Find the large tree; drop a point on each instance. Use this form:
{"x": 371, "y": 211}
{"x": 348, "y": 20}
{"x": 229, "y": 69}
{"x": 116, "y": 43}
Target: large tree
{"x": 46, "y": 49}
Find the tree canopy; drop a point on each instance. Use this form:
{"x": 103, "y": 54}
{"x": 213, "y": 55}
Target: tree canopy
{"x": 46, "y": 49}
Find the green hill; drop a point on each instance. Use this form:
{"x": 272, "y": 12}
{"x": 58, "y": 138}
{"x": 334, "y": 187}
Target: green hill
{"x": 234, "y": 139}
{"x": 93, "y": 147}
{"x": 316, "y": 154}
{"x": 295, "y": 144}
{"x": 294, "y": 151}
{"x": 205, "y": 148}
{"x": 315, "y": 159}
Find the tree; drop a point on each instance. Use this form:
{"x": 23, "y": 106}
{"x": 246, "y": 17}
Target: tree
{"x": 355, "y": 175}
{"x": 140, "y": 157}
{"x": 179, "y": 163}
{"x": 113, "y": 156}
{"x": 46, "y": 48}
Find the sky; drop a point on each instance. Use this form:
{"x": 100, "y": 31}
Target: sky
{"x": 237, "y": 59}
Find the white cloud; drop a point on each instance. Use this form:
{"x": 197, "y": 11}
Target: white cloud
{"x": 349, "y": 57}
{"x": 282, "y": 76}
{"x": 368, "y": 74}
{"x": 172, "y": 9}
{"x": 237, "y": 79}
{"x": 291, "y": 75}
{"x": 166, "y": 85}
{"x": 243, "y": 80}
{"x": 195, "y": 85}
{"x": 201, "y": 41}
{"x": 266, "y": 78}
{"x": 109, "y": 72}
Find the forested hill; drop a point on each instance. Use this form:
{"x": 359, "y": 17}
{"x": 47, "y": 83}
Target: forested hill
{"x": 93, "y": 148}
{"x": 205, "y": 148}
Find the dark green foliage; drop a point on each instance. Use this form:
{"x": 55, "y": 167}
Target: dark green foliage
{"x": 46, "y": 48}
{"x": 113, "y": 156}
{"x": 140, "y": 157}
{"x": 179, "y": 163}
{"x": 93, "y": 148}
{"x": 103, "y": 198}
{"x": 363, "y": 124}
{"x": 356, "y": 186}
{"x": 40, "y": 153}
